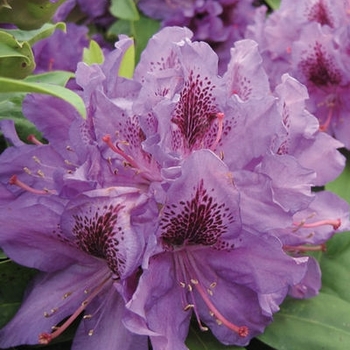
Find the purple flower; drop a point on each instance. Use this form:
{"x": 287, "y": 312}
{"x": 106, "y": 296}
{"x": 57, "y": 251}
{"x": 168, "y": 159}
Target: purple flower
{"x": 220, "y": 23}
{"x": 71, "y": 44}
{"x": 88, "y": 240}
{"x": 86, "y": 247}
{"x": 96, "y": 12}
{"x": 206, "y": 260}
{"x": 314, "y": 51}
{"x": 183, "y": 193}
{"x": 228, "y": 136}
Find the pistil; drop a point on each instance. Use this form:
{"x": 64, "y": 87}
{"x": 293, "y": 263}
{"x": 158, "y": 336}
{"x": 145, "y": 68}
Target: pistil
{"x": 31, "y": 138}
{"x": 332, "y": 222}
{"x": 15, "y": 181}
{"x": 116, "y": 149}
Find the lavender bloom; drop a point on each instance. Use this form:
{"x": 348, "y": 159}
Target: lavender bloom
{"x": 207, "y": 264}
{"x": 71, "y": 44}
{"x": 309, "y": 40}
{"x": 160, "y": 187}
{"x": 228, "y": 136}
{"x": 88, "y": 240}
{"x": 84, "y": 251}
{"x": 220, "y": 23}
{"x": 96, "y": 12}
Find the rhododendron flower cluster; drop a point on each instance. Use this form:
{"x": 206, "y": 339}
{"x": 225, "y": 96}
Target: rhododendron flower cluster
{"x": 218, "y": 22}
{"x": 183, "y": 195}
{"x": 310, "y": 40}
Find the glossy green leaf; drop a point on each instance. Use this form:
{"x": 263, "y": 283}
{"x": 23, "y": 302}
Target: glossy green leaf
{"x": 274, "y": 4}
{"x": 11, "y": 103}
{"x": 141, "y": 30}
{"x": 144, "y": 29}
{"x": 11, "y": 108}
{"x": 57, "y": 77}
{"x": 28, "y": 14}
{"x": 127, "y": 65}
{"x": 335, "y": 265}
{"x": 2, "y": 255}
{"x": 12, "y": 85}
{"x": 32, "y": 36}
{"x": 93, "y": 54}
{"x": 198, "y": 340}
{"x": 14, "y": 280}
{"x": 16, "y": 58}
{"x": 322, "y": 322}
{"x": 341, "y": 185}
{"x": 124, "y": 9}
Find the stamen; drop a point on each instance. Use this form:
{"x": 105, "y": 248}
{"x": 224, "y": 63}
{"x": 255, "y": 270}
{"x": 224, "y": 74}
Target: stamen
{"x": 15, "y": 181}
{"x": 304, "y": 248}
{"x": 242, "y": 331}
{"x": 188, "y": 307}
{"x": 220, "y": 116}
{"x": 116, "y": 149}
{"x": 335, "y": 223}
{"x": 180, "y": 269}
{"x": 36, "y": 159}
{"x": 31, "y": 138}
{"x": 66, "y": 295}
{"x": 46, "y": 338}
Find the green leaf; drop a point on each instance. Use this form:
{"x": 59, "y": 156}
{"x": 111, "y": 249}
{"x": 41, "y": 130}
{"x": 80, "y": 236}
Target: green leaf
{"x": 274, "y": 4}
{"x": 57, "y": 77}
{"x": 335, "y": 267}
{"x": 121, "y": 26}
{"x": 14, "y": 279}
{"x": 322, "y": 322}
{"x": 198, "y": 340}
{"x": 28, "y": 14}
{"x": 2, "y": 255}
{"x": 12, "y": 85}
{"x": 127, "y": 65}
{"x": 124, "y": 9}
{"x": 11, "y": 108}
{"x": 33, "y": 36}
{"x": 143, "y": 31}
{"x": 341, "y": 185}
{"x": 93, "y": 54}
{"x": 16, "y": 58}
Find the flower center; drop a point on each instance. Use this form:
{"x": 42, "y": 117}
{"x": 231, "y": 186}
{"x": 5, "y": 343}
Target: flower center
{"x": 199, "y": 221}
{"x": 320, "y": 69}
{"x": 320, "y": 13}
{"x": 195, "y": 111}
{"x": 97, "y": 232}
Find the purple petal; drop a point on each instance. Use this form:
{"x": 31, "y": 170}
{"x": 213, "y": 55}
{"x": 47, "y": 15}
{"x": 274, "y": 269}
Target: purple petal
{"x": 50, "y": 299}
